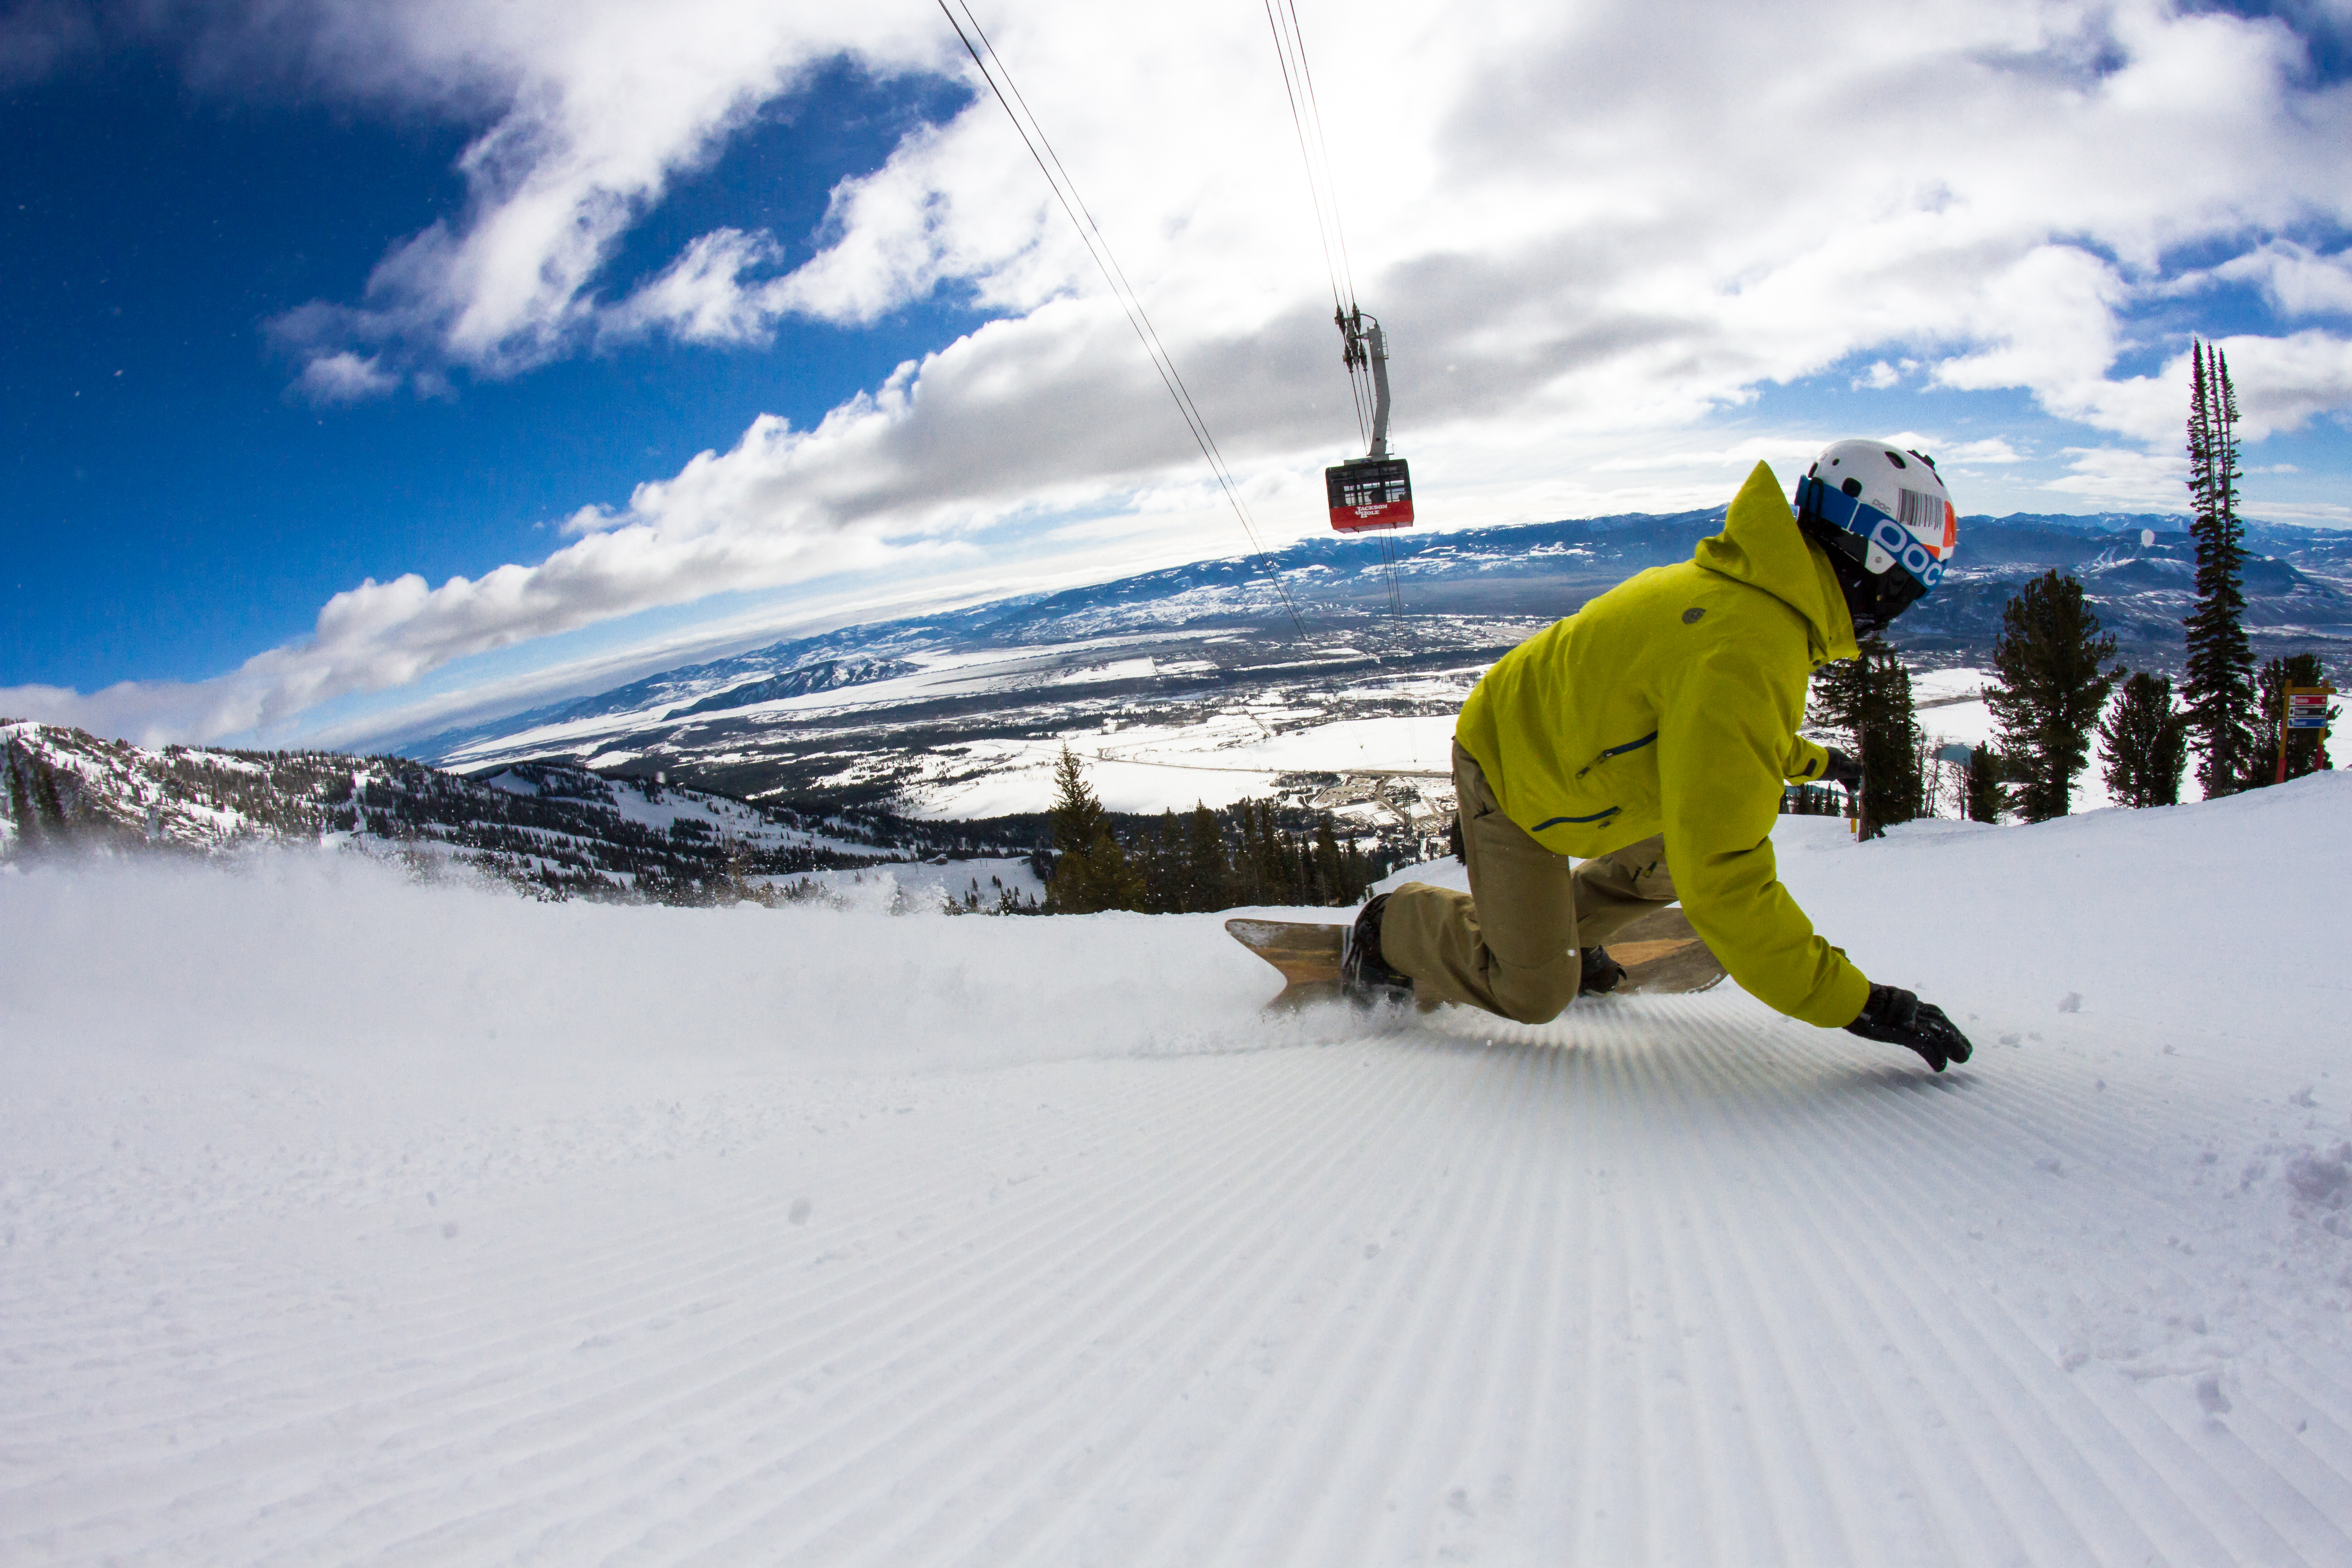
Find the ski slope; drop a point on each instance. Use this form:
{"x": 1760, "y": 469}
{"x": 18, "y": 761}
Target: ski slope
{"x": 344, "y": 1221}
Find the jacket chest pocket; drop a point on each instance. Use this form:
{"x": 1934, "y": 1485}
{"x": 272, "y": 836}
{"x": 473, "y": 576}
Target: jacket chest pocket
{"x": 1626, "y": 776}
{"x": 1601, "y": 762}
{"x": 1614, "y": 783}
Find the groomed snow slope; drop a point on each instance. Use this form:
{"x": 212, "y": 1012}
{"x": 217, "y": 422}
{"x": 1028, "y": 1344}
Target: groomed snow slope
{"x": 348, "y": 1221}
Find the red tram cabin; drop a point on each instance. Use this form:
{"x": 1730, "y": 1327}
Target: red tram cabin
{"x": 1368, "y": 493}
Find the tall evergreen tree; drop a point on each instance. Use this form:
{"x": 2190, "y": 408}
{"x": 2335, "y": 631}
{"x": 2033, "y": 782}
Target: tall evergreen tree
{"x": 1242, "y": 879}
{"x": 1336, "y": 872}
{"x": 1838, "y": 697}
{"x": 1867, "y": 701}
{"x": 2051, "y": 690}
{"x": 1159, "y": 864}
{"x": 1208, "y": 881}
{"x": 1895, "y": 779}
{"x": 1091, "y": 873}
{"x": 2218, "y": 690}
{"x": 1265, "y": 867}
{"x": 1116, "y": 883}
{"x": 1980, "y": 795}
{"x": 2305, "y": 753}
{"x": 1076, "y": 813}
{"x": 1330, "y": 868}
{"x": 2147, "y": 743}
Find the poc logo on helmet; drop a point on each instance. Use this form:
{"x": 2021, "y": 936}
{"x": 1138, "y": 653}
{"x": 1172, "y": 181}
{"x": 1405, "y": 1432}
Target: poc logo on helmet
{"x": 1903, "y": 545}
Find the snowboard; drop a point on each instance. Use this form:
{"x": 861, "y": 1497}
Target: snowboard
{"x": 1660, "y": 951}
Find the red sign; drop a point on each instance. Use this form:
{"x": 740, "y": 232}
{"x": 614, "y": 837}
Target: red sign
{"x": 1381, "y": 514}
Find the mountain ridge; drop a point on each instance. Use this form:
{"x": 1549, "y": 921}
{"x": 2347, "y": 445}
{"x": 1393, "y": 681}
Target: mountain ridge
{"x": 880, "y": 713}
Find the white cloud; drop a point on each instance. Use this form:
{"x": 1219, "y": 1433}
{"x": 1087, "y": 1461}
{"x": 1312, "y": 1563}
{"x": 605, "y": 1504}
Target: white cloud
{"x": 344, "y": 377}
{"x": 599, "y": 105}
{"x": 1953, "y": 453}
{"x": 701, "y": 297}
{"x": 1780, "y": 450}
{"x": 2003, "y": 138}
{"x": 2296, "y": 281}
{"x": 2048, "y": 321}
{"x": 1591, "y": 231}
{"x": 2284, "y": 383}
{"x": 2119, "y": 477}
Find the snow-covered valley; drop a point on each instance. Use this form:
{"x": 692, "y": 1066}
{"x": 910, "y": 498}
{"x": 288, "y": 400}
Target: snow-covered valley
{"x": 350, "y": 1220}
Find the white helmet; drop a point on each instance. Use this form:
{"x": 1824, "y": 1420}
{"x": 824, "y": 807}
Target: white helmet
{"x": 1885, "y": 521}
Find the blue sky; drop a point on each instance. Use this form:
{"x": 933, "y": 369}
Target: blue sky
{"x": 369, "y": 369}
{"x": 174, "y": 509}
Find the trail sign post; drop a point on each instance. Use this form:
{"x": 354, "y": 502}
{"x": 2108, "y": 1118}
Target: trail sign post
{"x": 2306, "y": 708}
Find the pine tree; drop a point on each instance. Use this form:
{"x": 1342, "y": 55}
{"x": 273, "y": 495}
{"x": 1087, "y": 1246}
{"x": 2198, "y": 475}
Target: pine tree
{"x": 1160, "y": 861}
{"x": 1241, "y": 879}
{"x": 1111, "y": 879}
{"x": 1839, "y": 697}
{"x": 1076, "y": 813}
{"x": 2218, "y": 690}
{"x": 1330, "y": 870}
{"x": 1263, "y": 866}
{"x": 1867, "y": 700}
{"x": 1090, "y": 873}
{"x": 2147, "y": 743}
{"x": 1894, "y": 784}
{"x": 1208, "y": 882}
{"x": 2050, "y": 691}
{"x": 2305, "y": 753}
{"x": 1981, "y": 792}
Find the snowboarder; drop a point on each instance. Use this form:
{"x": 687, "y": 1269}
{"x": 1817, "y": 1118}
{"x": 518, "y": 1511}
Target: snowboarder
{"x": 1649, "y": 735}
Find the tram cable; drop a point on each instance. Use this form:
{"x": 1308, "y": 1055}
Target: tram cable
{"x": 1298, "y": 84}
{"x": 1066, "y": 191}
{"x": 1374, "y": 492}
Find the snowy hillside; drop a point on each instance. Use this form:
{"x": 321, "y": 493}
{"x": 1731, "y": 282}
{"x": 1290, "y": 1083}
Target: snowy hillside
{"x": 350, "y": 1220}
{"x": 553, "y": 830}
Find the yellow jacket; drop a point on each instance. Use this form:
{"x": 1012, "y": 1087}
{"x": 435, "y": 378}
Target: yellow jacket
{"x": 1670, "y": 704}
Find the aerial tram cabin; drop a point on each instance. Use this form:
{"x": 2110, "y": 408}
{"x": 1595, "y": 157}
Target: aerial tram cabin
{"x": 1367, "y": 493}
{"x": 1374, "y": 491}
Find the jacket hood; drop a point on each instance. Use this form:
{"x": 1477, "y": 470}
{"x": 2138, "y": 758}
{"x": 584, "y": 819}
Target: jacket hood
{"x": 1761, "y": 546}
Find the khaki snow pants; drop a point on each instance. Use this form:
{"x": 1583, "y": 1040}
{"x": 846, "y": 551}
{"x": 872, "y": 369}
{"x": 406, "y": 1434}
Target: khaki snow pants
{"x": 1511, "y": 945}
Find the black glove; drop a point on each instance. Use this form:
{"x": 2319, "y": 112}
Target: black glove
{"x": 1896, "y": 1017}
{"x": 1841, "y": 769}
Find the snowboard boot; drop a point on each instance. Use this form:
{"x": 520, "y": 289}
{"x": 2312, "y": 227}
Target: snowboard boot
{"x": 1362, "y": 973}
{"x": 1601, "y": 973}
